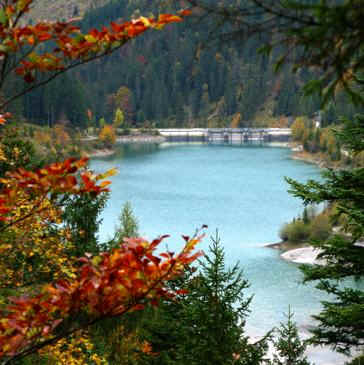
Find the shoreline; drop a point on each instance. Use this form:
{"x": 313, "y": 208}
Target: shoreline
{"x": 296, "y": 149}
{"x": 297, "y": 253}
{"x": 318, "y": 159}
{"x": 305, "y": 157}
{"x": 140, "y": 139}
{"x": 106, "y": 152}
{"x": 299, "y": 154}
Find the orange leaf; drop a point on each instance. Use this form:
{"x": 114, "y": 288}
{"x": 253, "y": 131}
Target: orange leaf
{"x": 185, "y": 12}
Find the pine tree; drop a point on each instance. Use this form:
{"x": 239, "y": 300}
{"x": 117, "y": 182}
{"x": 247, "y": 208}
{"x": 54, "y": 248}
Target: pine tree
{"x": 341, "y": 321}
{"x": 305, "y": 216}
{"x": 81, "y": 217}
{"x": 290, "y": 349}
{"x": 206, "y": 325}
{"x": 128, "y": 224}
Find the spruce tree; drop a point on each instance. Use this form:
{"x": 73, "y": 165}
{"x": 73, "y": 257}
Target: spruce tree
{"x": 206, "y": 325}
{"x": 290, "y": 349}
{"x": 341, "y": 321}
{"x": 82, "y": 217}
{"x": 305, "y": 216}
{"x": 128, "y": 224}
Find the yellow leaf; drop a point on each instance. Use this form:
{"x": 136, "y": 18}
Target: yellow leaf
{"x": 145, "y": 21}
{"x": 108, "y": 173}
{"x": 90, "y": 38}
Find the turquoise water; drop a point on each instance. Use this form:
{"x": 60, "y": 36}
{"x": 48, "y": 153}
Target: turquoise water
{"x": 239, "y": 190}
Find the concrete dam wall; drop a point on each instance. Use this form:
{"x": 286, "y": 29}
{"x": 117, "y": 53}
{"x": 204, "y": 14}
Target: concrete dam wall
{"x": 226, "y": 135}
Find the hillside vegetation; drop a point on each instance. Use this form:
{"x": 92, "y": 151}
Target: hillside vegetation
{"x": 199, "y": 84}
{"x": 62, "y": 9}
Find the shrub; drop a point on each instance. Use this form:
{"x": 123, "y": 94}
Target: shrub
{"x": 320, "y": 228}
{"x": 283, "y": 232}
{"x": 298, "y": 128}
{"x": 296, "y": 231}
{"x": 107, "y": 136}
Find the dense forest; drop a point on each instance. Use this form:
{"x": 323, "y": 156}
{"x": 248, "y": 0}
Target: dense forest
{"x": 179, "y": 78}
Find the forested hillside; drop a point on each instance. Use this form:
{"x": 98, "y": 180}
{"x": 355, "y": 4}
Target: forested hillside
{"x": 62, "y": 9}
{"x": 176, "y": 79}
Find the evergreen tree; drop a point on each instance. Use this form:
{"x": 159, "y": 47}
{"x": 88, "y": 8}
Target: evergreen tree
{"x": 341, "y": 321}
{"x": 206, "y": 325}
{"x": 290, "y": 349}
{"x": 305, "y": 217}
{"x": 180, "y": 113}
{"x": 17, "y": 153}
{"x": 312, "y": 27}
{"x": 81, "y": 217}
{"x": 128, "y": 224}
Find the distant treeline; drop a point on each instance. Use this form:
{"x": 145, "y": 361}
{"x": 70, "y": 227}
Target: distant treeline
{"x": 173, "y": 78}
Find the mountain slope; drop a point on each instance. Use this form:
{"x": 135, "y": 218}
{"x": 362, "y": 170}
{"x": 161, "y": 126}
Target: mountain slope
{"x": 173, "y": 78}
{"x": 62, "y": 9}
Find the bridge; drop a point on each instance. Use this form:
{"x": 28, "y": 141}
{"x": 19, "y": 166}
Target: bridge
{"x": 226, "y": 135}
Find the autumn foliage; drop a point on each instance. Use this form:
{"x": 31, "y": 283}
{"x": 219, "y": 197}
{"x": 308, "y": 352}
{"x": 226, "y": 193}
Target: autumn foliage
{"x": 111, "y": 284}
{"x": 31, "y": 247}
{"x": 53, "y": 294}
{"x": 107, "y": 285}
{"x": 107, "y": 135}
{"x": 52, "y": 48}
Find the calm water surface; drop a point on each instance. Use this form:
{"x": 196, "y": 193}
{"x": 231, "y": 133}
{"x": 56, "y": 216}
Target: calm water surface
{"x": 239, "y": 190}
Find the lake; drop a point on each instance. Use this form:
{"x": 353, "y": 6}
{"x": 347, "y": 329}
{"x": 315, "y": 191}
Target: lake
{"x": 239, "y": 190}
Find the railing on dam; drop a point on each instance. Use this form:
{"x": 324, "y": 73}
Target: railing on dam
{"x": 226, "y": 134}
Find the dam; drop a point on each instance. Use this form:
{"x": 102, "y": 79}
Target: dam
{"x": 226, "y": 135}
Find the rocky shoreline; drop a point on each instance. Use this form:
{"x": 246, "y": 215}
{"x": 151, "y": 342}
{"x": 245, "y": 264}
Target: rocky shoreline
{"x": 310, "y": 159}
{"x": 319, "y": 159}
{"x": 297, "y": 253}
{"x": 313, "y": 159}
